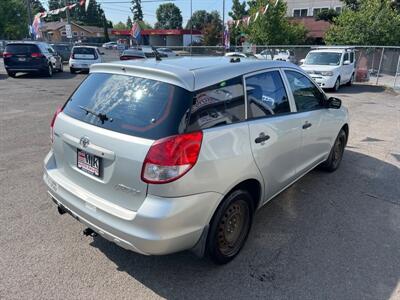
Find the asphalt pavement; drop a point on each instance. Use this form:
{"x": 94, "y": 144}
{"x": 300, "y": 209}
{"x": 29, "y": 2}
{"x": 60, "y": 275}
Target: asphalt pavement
{"x": 329, "y": 236}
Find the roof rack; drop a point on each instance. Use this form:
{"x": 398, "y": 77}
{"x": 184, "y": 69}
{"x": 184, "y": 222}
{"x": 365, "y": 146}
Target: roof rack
{"x": 333, "y": 47}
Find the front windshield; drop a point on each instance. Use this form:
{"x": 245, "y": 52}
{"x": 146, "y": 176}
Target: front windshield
{"x": 323, "y": 58}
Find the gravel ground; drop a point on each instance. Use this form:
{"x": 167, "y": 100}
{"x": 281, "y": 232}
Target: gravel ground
{"x": 329, "y": 236}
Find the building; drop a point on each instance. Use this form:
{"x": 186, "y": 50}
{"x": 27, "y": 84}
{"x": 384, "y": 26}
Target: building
{"x": 304, "y": 12}
{"x": 163, "y": 37}
{"x": 55, "y": 32}
{"x": 310, "y": 8}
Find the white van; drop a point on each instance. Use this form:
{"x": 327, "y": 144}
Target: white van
{"x": 330, "y": 67}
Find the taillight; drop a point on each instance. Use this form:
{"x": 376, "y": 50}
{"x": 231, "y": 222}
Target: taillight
{"x": 58, "y": 110}
{"x": 36, "y": 55}
{"x": 7, "y": 54}
{"x": 170, "y": 158}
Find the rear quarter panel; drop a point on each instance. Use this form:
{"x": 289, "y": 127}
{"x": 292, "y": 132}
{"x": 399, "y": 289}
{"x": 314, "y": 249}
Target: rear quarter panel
{"x": 225, "y": 160}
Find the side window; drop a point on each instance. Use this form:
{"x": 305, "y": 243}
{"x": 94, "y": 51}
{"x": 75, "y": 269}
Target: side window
{"x": 346, "y": 57}
{"x": 217, "y": 105}
{"x": 351, "y": 57}
{"x": 266, "y": 95}
{"x": 306, "y": 95}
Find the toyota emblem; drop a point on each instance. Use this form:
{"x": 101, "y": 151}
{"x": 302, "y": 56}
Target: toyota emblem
{"x": 84, "y": 141}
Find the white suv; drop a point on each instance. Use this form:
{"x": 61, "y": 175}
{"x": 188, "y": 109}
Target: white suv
{"x": 164, "y": 156}
{"x": 331, "y": 67}
{"x": 82, "y": 57}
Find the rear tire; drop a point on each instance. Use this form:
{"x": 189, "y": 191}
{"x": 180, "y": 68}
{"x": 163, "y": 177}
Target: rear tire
{"x": 11, "y": 74}
{"x": 230, "y": 227}
{"x": 350, "y": 83}
{"x": 49, "y": 71}
{"x": 336, "y": 154}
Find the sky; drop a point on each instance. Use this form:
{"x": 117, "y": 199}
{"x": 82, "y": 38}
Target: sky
{"x": 117, "y": 11}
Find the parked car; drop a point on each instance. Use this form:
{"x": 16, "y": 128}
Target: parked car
{"x": 265, "y": 54}
{"x": 132, "y": 54}
{"x": 240, "y": 54}
{"x": 64, "y": 50}
{"x": 110, "y": 45}
{"x": 3, "y": 44}
{"x": 166, "y": 51}
{"x": 285, "y": 55}
{"x": 82, "y": 57}
{"x": 31, "y": 57}
{"x": 331, "y": 67}
{"x": 164, "y": 156}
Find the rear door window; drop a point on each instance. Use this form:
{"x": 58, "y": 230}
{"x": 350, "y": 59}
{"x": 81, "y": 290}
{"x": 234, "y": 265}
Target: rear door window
{"x": 266, "y": 95}
{"x": 217, "y": 105}
{"x": 132, "y": 105}
{"x": 84, "y": 53}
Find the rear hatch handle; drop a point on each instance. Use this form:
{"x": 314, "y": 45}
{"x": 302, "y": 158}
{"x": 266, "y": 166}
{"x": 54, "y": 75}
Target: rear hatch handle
{"x": 89, "y": 147}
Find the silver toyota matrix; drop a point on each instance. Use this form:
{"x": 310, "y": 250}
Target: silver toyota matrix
{"x": 164, "y": 156}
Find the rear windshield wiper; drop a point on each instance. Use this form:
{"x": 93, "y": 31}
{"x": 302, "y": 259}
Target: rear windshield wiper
{"x": 102, "y": 117}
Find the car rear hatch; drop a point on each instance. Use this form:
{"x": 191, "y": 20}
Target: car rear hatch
{"x": 106, "y": 128}
{"x": 84, "y": 53}
{"x": 22, "y": 55}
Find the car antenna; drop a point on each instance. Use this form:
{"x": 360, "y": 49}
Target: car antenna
{"x": 156, "y": 54}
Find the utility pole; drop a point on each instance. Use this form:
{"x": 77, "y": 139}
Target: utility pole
{"x": 191, "y": 26}
{"x": 223, "y": 23}
{"x": 68, "y": 21}
{"x": 28, "y": 5}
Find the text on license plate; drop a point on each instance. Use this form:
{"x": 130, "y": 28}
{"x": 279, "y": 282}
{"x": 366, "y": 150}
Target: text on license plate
{"x": 88, "y": 162}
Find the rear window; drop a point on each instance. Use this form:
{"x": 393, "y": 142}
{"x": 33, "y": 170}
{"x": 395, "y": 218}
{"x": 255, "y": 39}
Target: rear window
{"x": 84, "y": 53}
{"x": 133, "y": 105}
{"x": 22, "y": 48}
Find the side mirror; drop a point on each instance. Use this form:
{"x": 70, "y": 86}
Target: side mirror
{"x": 334, "y": 102}
{"x": 302, "y": 61}
{"x": 346, "y": 62}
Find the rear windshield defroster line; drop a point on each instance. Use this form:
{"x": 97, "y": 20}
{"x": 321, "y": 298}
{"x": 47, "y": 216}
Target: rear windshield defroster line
{"x": 136, "y": 106}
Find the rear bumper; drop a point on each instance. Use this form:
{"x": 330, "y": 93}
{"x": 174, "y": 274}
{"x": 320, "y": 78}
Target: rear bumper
{"x": 160, "y": 226}
{"x": 35, "y": 68}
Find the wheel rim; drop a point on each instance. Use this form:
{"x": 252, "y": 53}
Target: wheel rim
{"x": 50, "y": 70}
{"x": 338, "y": 151}
{"x": 233, "y": 228}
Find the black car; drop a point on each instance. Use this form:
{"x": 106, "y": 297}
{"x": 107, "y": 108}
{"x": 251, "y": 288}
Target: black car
{"x": 64, "y": 50}
{"x": 31, "y": 57}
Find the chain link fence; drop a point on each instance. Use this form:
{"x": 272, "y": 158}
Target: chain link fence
{"x": 375, "y": 65}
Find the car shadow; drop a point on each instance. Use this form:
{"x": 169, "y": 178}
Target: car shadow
{"x": 358, "y": 88}
{"x": 56, "y": 75}
{"x": 330, "y": 235}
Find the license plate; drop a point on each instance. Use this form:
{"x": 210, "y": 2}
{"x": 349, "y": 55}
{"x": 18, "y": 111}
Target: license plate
{"x": 21, "y": 59}
{"x": 88, "y": 162}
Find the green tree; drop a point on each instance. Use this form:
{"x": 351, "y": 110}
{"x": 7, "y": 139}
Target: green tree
{"x": 213, "y": 30}
{"x": 199, "y": 19}
{"x": 237, "y": 13}
{"x": 327, "y": 15}
{"x": 145, "y": 25}
{"x": 121, "y": 25}
{"x": 352, "y": 4}
{"x": 13, "y": 19}
{"x": 273, "y": 28}
{"x": 169, "y": 16}
{"x": 136, "y": 9}
{"x": 129, "y": 23}
{"x": 375, "y": 22}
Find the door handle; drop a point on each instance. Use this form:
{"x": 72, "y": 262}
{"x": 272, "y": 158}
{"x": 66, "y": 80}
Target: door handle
{"x": 261, "y": 138}
{"x": 306, "y": 125}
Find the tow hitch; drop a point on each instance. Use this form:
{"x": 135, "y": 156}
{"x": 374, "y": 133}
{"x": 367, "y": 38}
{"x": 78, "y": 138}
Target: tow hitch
{"x": 89, "y": 232}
